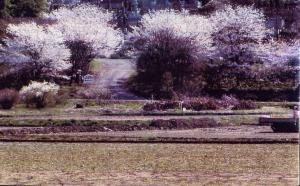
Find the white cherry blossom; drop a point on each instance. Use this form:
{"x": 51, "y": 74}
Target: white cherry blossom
{"x": 180, "y": 23}
{"x": 42, "y": 45}
{"x": 90, "y": 24}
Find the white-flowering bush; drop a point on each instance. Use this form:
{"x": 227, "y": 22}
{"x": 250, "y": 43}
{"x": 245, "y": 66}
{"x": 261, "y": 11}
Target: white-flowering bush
{"x": 250, "y": 21}
{"x": 39, "y": 94}
{"x": 42, "y": 46}
{"x": 90, "y": 24}
{"x": 227, "y": 32}
{"x": 279, "y": 53}
{"x": 238, "y": 33}
{"x": 182, "y": 24}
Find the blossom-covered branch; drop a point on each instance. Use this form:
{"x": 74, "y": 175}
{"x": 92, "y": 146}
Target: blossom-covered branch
{"x": 89, "y": 24}
{"x": 182, "y": 24}
{"x": 43, "y": 47}
{"x": 238, "y": 33}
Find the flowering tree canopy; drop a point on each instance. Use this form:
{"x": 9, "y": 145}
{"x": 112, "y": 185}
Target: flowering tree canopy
{"x": 89, "y": 24}
{"x": 238, "y": 33}
{"x": 43, "y": 46}
{"x": 180, "y": 23}
{"x": 280, "y": 52}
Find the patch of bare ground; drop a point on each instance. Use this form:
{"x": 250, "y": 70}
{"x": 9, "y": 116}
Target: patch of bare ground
{"x": 148, "y": 164}
{"x": 72, "y": 126}
{"x": 147, "y": 178}
{"x": 201, "y": 133}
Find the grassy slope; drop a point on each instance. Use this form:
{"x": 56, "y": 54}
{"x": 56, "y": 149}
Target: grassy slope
{"x": 95, "y": 66}
{"x": 164, "y": 164}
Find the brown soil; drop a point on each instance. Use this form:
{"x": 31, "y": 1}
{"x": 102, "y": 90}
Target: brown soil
{"x": 70, "y": 127}
{"x": 146, "y": 178}
{"x": 226, "y": 134}
{"x": 148, "y": 164}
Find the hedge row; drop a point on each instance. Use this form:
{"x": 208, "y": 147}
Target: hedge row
{"x": 205, "y": 103}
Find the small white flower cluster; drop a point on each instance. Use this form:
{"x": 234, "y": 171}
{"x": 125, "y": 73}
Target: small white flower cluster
{"x": 39, "y": 89}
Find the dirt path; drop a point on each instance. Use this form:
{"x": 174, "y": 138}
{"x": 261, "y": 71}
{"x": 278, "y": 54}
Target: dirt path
{"x": 114, "y": 73}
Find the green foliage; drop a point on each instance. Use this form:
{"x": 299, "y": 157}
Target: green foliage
{"x": 81, "y": 57}
{"x": 246, "y": 105}
{"x": 95, "y": 66}
{"x": 5, "y": 6}
{"x": 164, "y": 65}
{"x": 22, "y": 8}
{"x": 28, "y": 8}
{"x": 246, "y": 82}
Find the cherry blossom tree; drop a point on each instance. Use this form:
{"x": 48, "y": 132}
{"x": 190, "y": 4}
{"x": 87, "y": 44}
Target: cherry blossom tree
{"x": 42, "y": 49}
{"x": 89, "y": 24}
{"x": 280, "y": 52}
{"x": 88, "y": 32}
{"x": 181, "y": 23}
{"x": 245, "y": 54}
{"x": 241, "y": 36}
{"x": 238, "y": 33}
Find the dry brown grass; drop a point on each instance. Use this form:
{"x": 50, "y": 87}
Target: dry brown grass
{"x": 145, "y": 164}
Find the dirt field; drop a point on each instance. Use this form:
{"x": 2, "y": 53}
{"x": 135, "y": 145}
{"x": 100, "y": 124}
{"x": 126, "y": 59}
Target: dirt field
{"x": 148, "y": 164}
{"x": 204, "y": 130}
{"x": 226, "y": 134}
{"x": 215, "y": 155}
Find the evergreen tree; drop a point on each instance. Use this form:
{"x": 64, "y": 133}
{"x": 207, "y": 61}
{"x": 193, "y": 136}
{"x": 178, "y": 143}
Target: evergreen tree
{"x": 5, "y": 8}
{"x": 27, "y": 8}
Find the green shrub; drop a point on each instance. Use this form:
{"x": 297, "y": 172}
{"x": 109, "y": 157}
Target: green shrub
{"x": 96, "y": 93}
{"x": 5, "y": 6}
{"x": 183, "y": 123}
{"x": 151, "y": 107}
{"x": 166, "y": 63}
{"x": 22, "y": 8}
{"x": 28, "y": 8}
{"x": 204, "y": 103}
{"x": 164, "y": 105}
{"x": 246, "y": 105}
